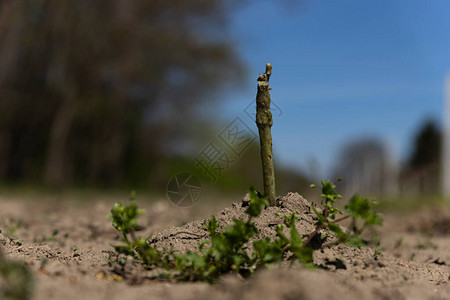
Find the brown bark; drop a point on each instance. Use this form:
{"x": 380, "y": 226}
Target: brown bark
{"x": 264, "y": 121}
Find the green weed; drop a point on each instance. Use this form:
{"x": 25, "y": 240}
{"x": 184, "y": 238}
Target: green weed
{"x": 229, "y": 251}
{"x": 398, "y": 242}
{"x": 426, "y": 245}
{"x": 360, "y": 211}
{"x": 10, "y": 232}
{"x": 55, "y": 237}
{"x": 16, "y": 282}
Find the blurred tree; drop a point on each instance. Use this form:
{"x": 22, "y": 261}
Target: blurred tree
{"x": 365, "y": 167}
{"x": 93, "y": 90}
{"x": 427, "y": 146}
{"x": 423, "y": 168}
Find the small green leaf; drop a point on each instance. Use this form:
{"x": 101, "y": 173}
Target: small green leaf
{"x": 305, "y": 256}
{"x": 355, "y": 241}
{"x": 322, "y": 219}
{"x": 374, "y": 219}
{"x": 358, "y": 207}
{"x": 122, "y": 250}
{"x": 296, "y": 240}
{"x": 133, "y": 195}
{"x": 338, "y": 231}
{"x": 257, "y": 203}
{"x": 212, "y": 226}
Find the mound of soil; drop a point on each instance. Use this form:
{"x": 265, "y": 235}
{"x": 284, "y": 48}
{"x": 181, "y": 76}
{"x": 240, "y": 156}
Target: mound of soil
{"x": 332, "y": 257}
{"x": 187, "y": 237}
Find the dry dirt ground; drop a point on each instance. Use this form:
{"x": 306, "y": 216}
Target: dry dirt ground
{"x": 67, "y": 246}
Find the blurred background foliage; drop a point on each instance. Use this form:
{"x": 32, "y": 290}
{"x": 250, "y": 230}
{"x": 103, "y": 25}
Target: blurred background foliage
{"x": 367, "y": 165}
{"x": 107, "y": 93}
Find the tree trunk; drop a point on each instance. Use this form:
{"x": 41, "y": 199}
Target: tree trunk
{"x": 57, "y": 153}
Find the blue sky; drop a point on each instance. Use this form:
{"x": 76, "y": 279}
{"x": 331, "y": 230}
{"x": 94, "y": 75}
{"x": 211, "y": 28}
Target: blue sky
{"x": 344, "y": 70}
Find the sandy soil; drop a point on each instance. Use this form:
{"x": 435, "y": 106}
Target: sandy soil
{"x": 67, "y": 247}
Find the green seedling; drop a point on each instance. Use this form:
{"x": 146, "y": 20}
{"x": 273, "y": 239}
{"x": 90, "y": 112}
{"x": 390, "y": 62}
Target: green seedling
{"x": 43, "y": 263}
{"x": 125, "y": 220}
{"x": 10, "y": 232}
{"x": 398, "y": 242}
{"x": 231, "y": 250}
{"x": 378, "y": 251}
{"x": 16, "y": 281}
{"x": 360, "y": 210}
{"x": 53, "y": 238}
{"x": 426, "y": 245}
{"x": 13, "y": 240}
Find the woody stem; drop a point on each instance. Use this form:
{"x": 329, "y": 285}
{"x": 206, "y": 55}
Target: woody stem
{"x": 264, "y": 121}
